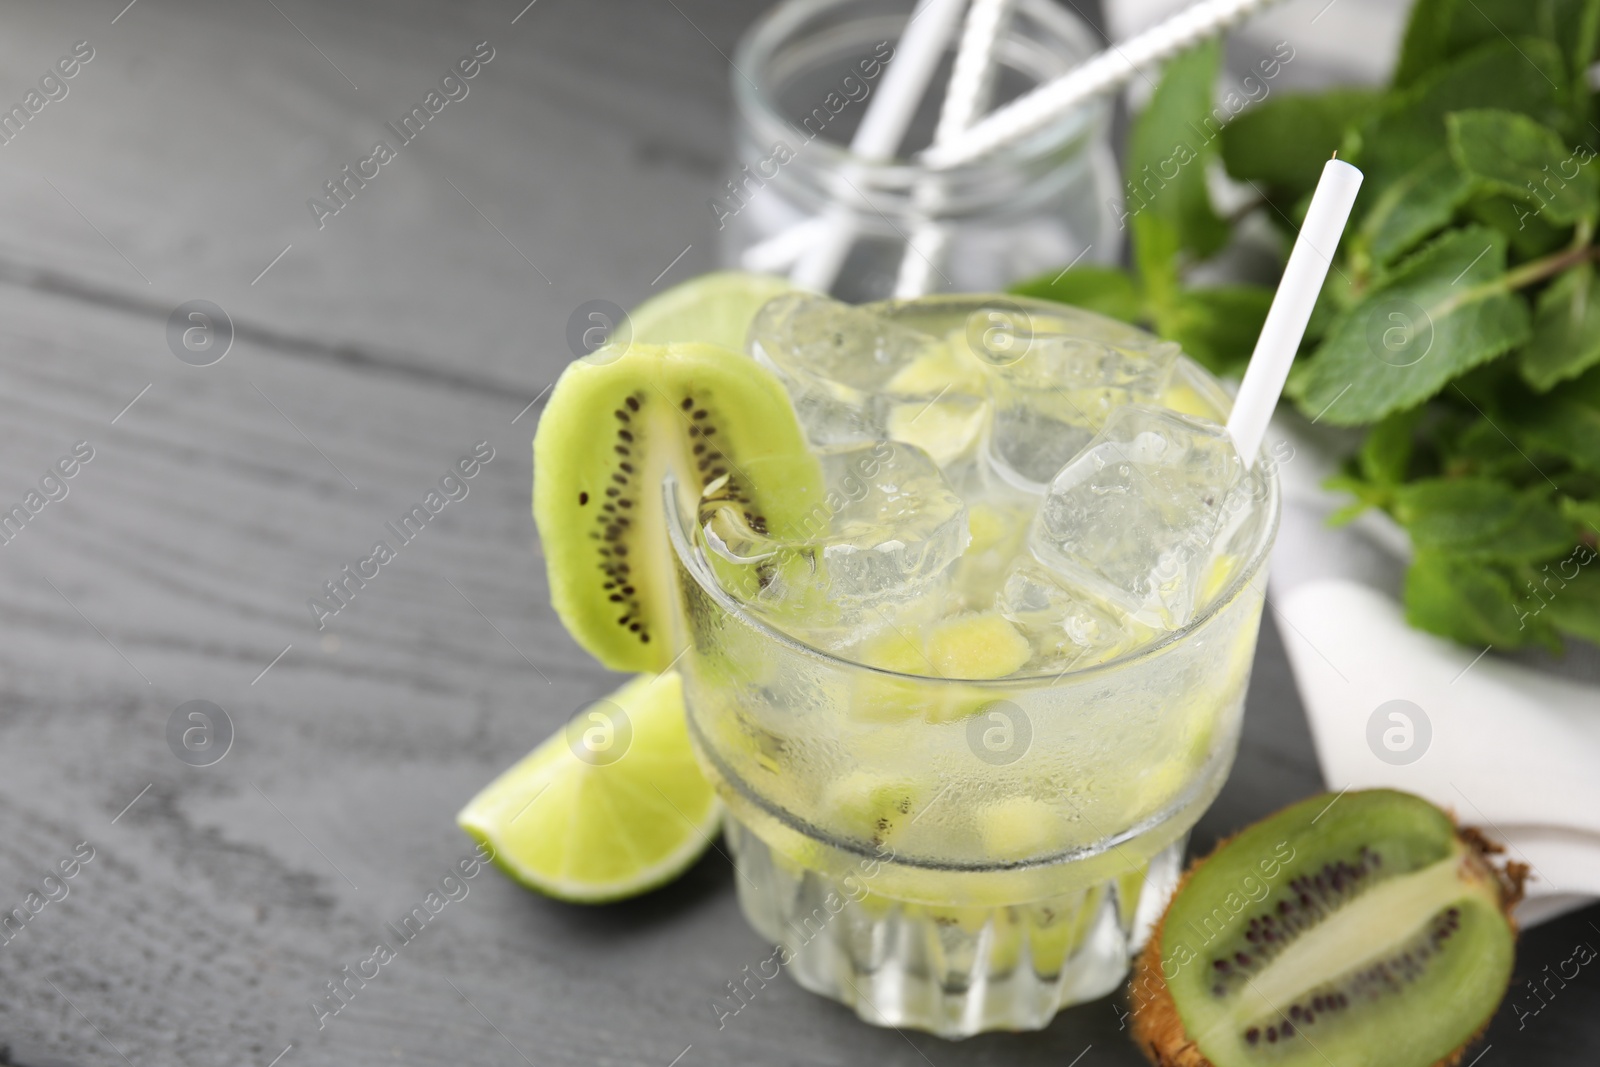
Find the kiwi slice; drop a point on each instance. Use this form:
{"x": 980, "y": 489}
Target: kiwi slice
{"x": 870, "y": 807}
{"x": 617, "y": 423}
{"x": 1360, "y": 929}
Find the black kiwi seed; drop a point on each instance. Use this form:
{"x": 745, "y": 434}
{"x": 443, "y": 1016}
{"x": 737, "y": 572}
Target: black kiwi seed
{"x": 1310, "y": 898}
{"x": 612, "y": 527}
{"x": 583, "y": 498}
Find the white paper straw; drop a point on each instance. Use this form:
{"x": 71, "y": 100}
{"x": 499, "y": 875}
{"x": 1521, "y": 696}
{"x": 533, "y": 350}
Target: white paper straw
{"x": 971, "y": 86}
{"x": 778, "y": 253}
{"x": 972, "y": 75}
{"x": 1303, "y": 276}
{"x": 883, "y": 127}
{"x": 1105, "y": 72}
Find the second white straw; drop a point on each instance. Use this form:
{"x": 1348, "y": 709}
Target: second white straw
{"x": 1303, "y": 276}
{"x": 972, "y": 79}
{"x": 1105, "y": 72}
{"x": 882, "y": 128}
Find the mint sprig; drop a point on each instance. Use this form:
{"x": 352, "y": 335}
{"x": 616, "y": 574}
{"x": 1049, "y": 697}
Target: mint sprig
{"x": 1460, "y": 326}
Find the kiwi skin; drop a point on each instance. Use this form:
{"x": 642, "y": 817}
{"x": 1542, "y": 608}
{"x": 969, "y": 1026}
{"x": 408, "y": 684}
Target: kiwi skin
{"x": 1158, "y": 1029}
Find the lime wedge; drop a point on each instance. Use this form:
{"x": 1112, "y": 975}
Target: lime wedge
{"x": 714, "y": 309}
{"x": 610, "y": 806}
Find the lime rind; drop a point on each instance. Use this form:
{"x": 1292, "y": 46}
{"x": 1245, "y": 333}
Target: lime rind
{"x": 714, "y": 309}
{"x": 594, "y": 832}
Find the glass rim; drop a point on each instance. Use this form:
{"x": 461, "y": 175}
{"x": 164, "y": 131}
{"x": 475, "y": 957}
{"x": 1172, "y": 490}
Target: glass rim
{"x": 760, "y": 43}
{"x": 689, "y": 557}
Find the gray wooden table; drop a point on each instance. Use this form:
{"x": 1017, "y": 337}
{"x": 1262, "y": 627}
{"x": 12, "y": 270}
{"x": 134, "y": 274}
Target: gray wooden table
{"x": 367, "y": 355}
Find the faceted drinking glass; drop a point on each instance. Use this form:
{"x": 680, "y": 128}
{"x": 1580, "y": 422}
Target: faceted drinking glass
{"x": 964, "y": 855}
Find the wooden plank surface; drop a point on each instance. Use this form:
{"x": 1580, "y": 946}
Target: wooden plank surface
{"x": 419, "y": 321}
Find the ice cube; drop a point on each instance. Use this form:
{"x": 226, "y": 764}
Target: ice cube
{"x": 856, "y": 376}
{"x": 1136, "y": 517}
{"x": 886, "y": 531}
{"x": 1237, "y": 534}
{"x": 1066, "y": 628}
{"x": 999, "y": 525}
{"x": 1052, "y": 394}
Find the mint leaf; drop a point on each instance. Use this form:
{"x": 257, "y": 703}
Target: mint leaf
{"x": 1439, "y": 313}
{"x": 1584, "y": 514}
{"x": 1481, "y": 449}
{"x": 1425, "y": 44}
{"x": 1284, "y": 141}
{"x": 1474, "y": 22}
{"x": 1169, "y": 146}
{"x": 1531, "y": 235}
{"x": 1413, "y": 206}
{"x": 1481, "y": 520}
{"x": 1514, "y": 155}
{"x": 1218, "y": 326}
{"x": 1566, "y": 331}
{"x": 1156, "y": 248}
{"x": 1385, "y": 455}
{"x": 1442, "y": 29}
{"x": 1107, "y": 290}
{"x": 1566, "y": 426}
{"x": 1567, "y": 23}
{"x": 1366, "y": 496}
{"x": 1570, "y": 594}
{"x": 1527, "y": 76}
{"x": 1469, "y": 602}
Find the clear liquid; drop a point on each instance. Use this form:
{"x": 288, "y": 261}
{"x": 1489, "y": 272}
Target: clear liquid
{"x": 982, "y": 854}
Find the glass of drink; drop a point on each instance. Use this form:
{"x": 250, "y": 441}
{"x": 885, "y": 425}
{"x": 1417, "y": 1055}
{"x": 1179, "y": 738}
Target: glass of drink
{"x": 978, "y": 833}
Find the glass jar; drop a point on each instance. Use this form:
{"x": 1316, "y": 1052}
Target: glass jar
{"x": 803, "y": 78}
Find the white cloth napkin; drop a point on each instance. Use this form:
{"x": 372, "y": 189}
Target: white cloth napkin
{"x": 1511, "y": 745}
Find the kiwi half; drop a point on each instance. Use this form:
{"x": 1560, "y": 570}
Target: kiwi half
{"x": 617, "y": 423}
{"x": 1364, "y": 929}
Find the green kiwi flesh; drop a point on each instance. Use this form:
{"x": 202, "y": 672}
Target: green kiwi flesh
{"x": 617, "y": 423}
{"x": 1361, "y": 929}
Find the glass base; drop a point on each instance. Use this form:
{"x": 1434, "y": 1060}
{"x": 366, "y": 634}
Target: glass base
{"x": 953, "y": 970}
